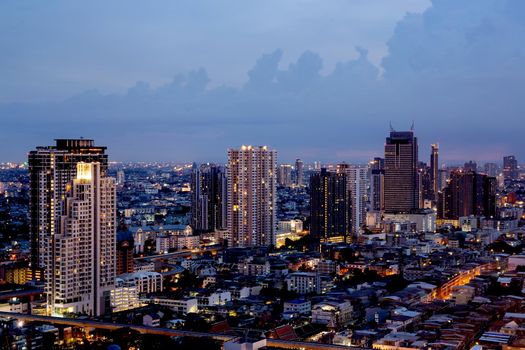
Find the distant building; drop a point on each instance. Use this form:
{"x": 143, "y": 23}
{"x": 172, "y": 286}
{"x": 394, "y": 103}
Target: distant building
{"x": 304, "y": 282}
{"x": 208, "y": 198}
{"x": 330, "y": 212}
{"x": 299, "y": 172}
{"x": 284, "y": 175}
{"x": 468, "y": 193}
{"x": 125, "y": 245}
{"x": 510, "y": 168}
{"x": 491, "y": 169}
{"x": 470, "y": 166}
{"x": 334, "y": 313}
{"x": 434, "y": 169}
{"x": 357, "y": 187}
{"x": 251, "y": 196}
{"x": 377, "y": 184}
{"x": 401, "y": 176}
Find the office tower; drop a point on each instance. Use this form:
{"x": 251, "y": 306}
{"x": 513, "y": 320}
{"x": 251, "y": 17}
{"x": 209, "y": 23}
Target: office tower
{"x": 425, "y": 191}
{"x": 284, "y": 175}
{"x": 51, "y": 168}
{"x": 125, "y": 245}
{"x": 401, "y": 174}
{"x": 121, "y": 177}
{"x": 510, "y": 168}
{"x": 356, "y": 186}
{"x": 80, "y": 256}
{"x": 329, "y": 205}
{"x": 299, "y": 172}
{"x": 208, "y": 198}
{"x": 443, "y": 178}
{"x": 377, "y": 184}
{"x": 467, "y": 193}
{"x": 317, "y": 165}
{"x": 470, "y": 166}
{"x": 491, "y": 169}
{"x": 434, "y": 169}
{"x": 251, "y": 196}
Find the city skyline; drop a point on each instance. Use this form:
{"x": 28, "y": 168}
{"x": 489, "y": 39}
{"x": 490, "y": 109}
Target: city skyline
{"x": 287, "y": 91}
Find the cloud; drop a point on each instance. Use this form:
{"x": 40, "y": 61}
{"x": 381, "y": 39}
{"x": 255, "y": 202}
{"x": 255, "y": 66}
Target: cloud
{"x": 456, "y": 70}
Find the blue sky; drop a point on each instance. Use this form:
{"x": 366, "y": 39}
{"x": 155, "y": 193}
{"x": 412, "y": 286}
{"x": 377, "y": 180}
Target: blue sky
{"x": 185, "y": 80}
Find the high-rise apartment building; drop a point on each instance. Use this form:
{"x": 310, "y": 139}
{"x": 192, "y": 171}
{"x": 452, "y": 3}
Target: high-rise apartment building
{"x": 208, "y": 198}
{"x": 467, "y": 193}
{"x": 284, "y": 175}
{"x": 51, "y": 168}
{"x": 510, "y": 168}
{"x": 434, "y": 169}
{"x": 357, "y": 186}
{"x": 125, "y": 244}
{"x": 79, "y": 257}
{"x": 330, "y": 213}
{"x": 299, "y": 172}
{"x": 401, "y": 173}
{"x": 251, "y": 196}
{"x": 491, "y": 169}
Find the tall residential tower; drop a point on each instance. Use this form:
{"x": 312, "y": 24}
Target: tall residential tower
{"x": 251, "y": 196}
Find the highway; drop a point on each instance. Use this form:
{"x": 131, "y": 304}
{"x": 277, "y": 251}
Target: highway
{"x": 284, "y": 344}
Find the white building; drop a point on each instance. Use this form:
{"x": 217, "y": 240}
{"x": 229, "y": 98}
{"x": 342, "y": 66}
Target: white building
{"x": 125, "y": 296}
{"x": 304, "y": 282}
{"x": 424, "y": 221}
{"x": 299, "y": 306}
{"x": 290, "y": 226}
{"x": 183, "y": 305}
{"x": 145, "y": 281}
{"x": 251, "y": 196}
{"x": 332, "y": 313}
{"x": 80, "y": 258}
{"x": 357, "y": 184}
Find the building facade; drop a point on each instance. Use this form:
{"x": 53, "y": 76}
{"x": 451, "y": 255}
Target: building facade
{"x": 401, "y": 172}
{"x": 251, "y": 196}
{"x": 208, "y": 199}
{"x": 80, "y": 257}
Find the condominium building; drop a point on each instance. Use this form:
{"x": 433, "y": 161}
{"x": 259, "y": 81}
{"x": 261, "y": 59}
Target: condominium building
{"x": 251, "y": 196}
{"x": 80, "y": 256}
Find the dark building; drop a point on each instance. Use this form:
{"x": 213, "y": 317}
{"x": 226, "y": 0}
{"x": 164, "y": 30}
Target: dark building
{"x": 329, "y": 205}
{"x": 299, "y": 172}
{"x": 510, "y": 168}
{"x": 401, "y": 172}
{"x": 125, "y": 243}
{"x": 208, "y": 199}
{"x": 467, "y": 193}
{"x": 426, "y": 191}
{"x": 470, "y": 166}
{"x": 377, "y": 184}
{"x": 434, "y": 170}
{"x": 51, "y": 168}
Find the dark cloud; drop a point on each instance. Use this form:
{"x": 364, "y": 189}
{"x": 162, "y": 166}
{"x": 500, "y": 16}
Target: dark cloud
{"x": 456, "y": 70}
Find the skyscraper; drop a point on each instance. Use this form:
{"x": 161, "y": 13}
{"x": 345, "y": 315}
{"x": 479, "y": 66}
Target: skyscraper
{"x": 79, "y": 257}
{"x": 467, "y": 193}
{"x": 510, "y": 168}
{"x": 434, "y": 169}
{"x": 377, "y": 184}
{"x": 491, "y": 169}
{"x": 330, "y": 213}
{"x": 208, "y": 198}
{"x": 251, "y": 196}
{"x": 51, "y": 168}
{"x": 401, "y": 174}
{"x": 470, "y": 166}
{"x": 357, "y": 186}
{"x": 299, "y": 172}
{"x": 284, "y": 175}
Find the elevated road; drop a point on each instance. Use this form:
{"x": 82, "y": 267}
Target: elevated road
{"x": 75, "y": 322}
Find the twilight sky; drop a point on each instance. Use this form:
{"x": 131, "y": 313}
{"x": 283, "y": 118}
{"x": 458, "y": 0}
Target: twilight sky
{"x": 320, "y": 80}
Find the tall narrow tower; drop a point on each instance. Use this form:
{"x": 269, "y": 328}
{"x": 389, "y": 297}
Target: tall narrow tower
{"x": 251, "y": 196}
{"x": 401, "y": 175}
{"x": 434, "y": 169}
{"x": 208, "y": 201}
{"x": 80, "y": 257}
